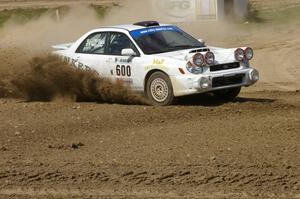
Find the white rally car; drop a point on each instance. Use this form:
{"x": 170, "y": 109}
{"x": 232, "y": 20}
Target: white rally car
{"x": 161, "y": 61}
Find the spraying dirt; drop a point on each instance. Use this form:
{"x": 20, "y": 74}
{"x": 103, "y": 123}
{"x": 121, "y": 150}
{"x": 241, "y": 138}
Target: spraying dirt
{"x": 49, "y": 77}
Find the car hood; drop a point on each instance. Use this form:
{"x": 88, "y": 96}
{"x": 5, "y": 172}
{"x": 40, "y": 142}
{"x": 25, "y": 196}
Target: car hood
{"x": 222, "y": 55}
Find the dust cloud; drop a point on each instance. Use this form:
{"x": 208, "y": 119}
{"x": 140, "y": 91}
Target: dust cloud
{"x": 39, "y": 34}
{"x": 29, "y": 71}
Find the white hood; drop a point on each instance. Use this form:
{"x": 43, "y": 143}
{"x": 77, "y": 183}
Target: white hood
{"x": 222, "y": 55}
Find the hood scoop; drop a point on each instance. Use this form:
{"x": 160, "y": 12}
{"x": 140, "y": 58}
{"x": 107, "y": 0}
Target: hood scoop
{"x": 200, "y": 50}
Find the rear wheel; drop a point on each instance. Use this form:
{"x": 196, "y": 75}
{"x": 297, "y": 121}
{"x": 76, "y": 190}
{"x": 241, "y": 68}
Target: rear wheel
{"x": 159, "y": 89}
{"x": 227, "y": 94}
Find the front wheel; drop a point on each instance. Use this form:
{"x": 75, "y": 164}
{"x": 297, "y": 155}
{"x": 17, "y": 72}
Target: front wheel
{"x": 227, "y": 94}
{"x": 159, "y": 89}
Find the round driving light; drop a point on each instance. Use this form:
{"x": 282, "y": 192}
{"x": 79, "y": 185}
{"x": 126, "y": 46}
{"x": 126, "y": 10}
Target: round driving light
{"x": 204, "y": 82}
{"x": 198, "y": 59}
{"x": 254, "y": 75}
{"x": 239, "y": 54}
{"x": 209, "y": 58}
{"x": 249, "y": 53}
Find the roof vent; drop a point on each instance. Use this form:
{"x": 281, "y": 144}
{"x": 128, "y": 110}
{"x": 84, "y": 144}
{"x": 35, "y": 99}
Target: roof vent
{"x": 147, "y": 23}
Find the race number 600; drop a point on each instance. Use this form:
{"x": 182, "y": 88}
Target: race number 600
{"x": 123, "y": 70}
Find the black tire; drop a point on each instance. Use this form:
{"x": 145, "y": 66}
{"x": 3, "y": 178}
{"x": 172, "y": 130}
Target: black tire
{"x": 227, "y": 94}
{"x": 159, "y": 89}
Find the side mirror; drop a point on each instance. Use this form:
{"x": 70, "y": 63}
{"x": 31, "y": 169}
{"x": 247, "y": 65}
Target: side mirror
{"x": 202, "y": 41}
{"x": 128, "y": 52}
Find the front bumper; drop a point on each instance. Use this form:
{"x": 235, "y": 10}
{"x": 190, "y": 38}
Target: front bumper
{"x": 193, "y": 84}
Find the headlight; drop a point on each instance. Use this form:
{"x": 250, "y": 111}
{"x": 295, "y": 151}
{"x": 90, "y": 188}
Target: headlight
{"x": 239, "y": 54}
{"x": 209, "y": 58}
{"x": 193, "y": 68}
{"x": 249, "y": 53}
{"x": 198, "y": 59}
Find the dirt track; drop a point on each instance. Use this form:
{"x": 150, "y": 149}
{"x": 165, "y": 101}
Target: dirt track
{"x": 198, "y": 148}
{"x": 205, "y": 148}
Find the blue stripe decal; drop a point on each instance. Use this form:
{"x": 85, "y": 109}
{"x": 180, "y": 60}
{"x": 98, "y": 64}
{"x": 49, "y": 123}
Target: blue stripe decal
{"x": 146, "y": 31}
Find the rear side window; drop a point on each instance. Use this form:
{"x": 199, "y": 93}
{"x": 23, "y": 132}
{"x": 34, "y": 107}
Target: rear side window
{"x": 93, "y": 44}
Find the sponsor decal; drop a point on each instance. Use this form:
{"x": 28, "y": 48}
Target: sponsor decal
{"x": 146, "y": 31}
{"x": 122, "y": 60}
{"x": 124, "y": 81}
{"x": 157, "y": 64}
{"x": 76, "y": 64}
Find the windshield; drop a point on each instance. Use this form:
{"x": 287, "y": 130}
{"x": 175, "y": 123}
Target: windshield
{"x": 164, "y": 39}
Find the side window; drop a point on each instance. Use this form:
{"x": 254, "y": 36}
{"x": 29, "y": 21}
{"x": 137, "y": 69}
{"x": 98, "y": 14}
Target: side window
{"x": 93, "y": 44}
{"x": 118, "y": 42}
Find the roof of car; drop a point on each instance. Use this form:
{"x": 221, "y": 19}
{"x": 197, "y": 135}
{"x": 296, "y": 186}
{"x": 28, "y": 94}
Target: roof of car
{"x": 131, "y": 27}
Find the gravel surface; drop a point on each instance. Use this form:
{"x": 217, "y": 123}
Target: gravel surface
{"x": 240, "y": 149}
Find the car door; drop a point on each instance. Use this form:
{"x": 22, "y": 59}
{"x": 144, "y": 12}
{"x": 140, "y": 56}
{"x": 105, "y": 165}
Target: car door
{"x": 90, "y": 54}
{"x": 123, "y": 69}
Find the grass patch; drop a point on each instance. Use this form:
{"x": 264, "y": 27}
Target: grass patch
{"x": 282, "y": 16}
{"x": 21, "y": 15}
{"x": 101, "y": 11}
{"x": 24, "y": 15}
{"x": 275, "y": 18}
{"x": 253, "y": 15}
